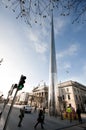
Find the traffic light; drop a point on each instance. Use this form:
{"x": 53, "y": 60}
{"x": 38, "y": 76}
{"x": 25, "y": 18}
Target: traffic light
{"x": 11, "y": 89}
{"x": 21, "y": 82}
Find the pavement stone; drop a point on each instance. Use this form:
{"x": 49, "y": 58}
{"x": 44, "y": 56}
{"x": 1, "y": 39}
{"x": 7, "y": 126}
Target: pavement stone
{"x": 76, "y": 127}
{"x": 66, "y": 125}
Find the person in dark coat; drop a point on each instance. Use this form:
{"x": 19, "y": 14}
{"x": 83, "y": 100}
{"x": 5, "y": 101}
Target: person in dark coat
{"x": 21, "y": 116}
{"x": 40, "y": 119}
{"x": 78, "y": 111}
{"x": 43, "y": 114}
{"x": 0, "y": 114}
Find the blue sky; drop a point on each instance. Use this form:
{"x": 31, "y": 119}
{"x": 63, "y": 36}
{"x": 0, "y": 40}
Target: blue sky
{"x": 26, "y": 50}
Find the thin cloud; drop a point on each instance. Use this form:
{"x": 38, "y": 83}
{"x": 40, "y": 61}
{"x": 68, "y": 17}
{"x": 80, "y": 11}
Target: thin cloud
{"x": 38, "y": 37}
{"x": 40, "y": 48}
{"x": 60, "y": 25}
{"x": 32, "y": 36}
{"x": 84, "y": 70}
{"x": 72, "y": 50}
{"x": 36, "y": 41}
{"x": 64, "y": 66}
{"x": 67, "y": 65}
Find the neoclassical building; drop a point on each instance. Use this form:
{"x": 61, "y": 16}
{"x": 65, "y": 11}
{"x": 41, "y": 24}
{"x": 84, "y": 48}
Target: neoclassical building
{"x": 72, "y": 92}
{"x": 40, "y": 95}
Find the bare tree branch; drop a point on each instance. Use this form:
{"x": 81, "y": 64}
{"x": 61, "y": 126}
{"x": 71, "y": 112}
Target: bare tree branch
{"x": 33, "y": 10}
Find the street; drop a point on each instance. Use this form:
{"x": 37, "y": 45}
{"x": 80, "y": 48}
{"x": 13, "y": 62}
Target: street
{"x": 28, "y": 121}
{"x": 51, "y": 123}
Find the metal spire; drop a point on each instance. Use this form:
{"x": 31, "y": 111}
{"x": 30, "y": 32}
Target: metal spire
{"x": 52, "y": 102}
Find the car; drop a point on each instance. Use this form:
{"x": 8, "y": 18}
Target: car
{"x": 27, "y": 109}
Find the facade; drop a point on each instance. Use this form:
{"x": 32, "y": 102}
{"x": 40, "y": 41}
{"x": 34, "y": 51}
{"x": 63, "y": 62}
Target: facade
{"x": 40, "y": 95}
{"x": 73, "y": 93}
{"x": 70, "y": 92}
{"x": 22, "y": 98}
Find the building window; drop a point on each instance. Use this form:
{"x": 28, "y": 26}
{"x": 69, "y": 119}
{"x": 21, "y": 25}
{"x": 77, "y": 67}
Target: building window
{"x": 79, "y": 98}
{"x": 74, "y": 89}
{"x": 68, "y": 97}
{"x": 62, "y": 91}
{"x": 76, "y": 97}
{"x": 78, "y": 90}
{"x": 67, "y": 89}
{"x": 63, "y": 97}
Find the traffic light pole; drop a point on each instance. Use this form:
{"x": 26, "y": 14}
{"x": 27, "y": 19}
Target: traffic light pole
{"x": 7, "y": 119}
{"x": 4, "y": 105}
{"x": 9, "y": 93}
{"x": 18, "y": 87}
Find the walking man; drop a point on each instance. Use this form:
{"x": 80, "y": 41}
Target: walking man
{"x": 21, "y": 116}
{"x": 40, "y": 119}
{"x": 78, "y": 111}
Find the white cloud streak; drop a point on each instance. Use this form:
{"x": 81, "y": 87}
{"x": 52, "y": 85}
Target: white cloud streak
{"x": 67, "y": 65}
{"x": 37, "y": 41}
{"x": 70, "y": 51}
{"x": 60, "y": 24}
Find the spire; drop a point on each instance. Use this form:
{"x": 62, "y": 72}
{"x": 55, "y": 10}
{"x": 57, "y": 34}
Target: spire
{"x": 52, "y": 101}
{"x": 53, "y": 53}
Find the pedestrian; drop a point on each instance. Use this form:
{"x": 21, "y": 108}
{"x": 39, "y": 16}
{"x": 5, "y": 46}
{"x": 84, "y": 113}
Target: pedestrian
{"x": 78, "y": 111}
{"x": 43, "y": 114}
{"x": 69, "y": 112}
{"x": 21, "y": 116}
{"x": 35, "y": 109}
{"x": 40, "y": 119}
{"x": 0, "y": 114}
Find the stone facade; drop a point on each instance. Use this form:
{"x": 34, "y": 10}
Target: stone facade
{"x": 73, "y": 93}
{"x": 22, "y": 98}
{"x": 40, "y": 95}
{"x": 70, "y": 92}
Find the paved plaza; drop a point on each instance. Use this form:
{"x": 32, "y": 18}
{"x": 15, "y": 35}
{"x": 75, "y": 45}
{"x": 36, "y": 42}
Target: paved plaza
{"x": 51, "y": 123}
